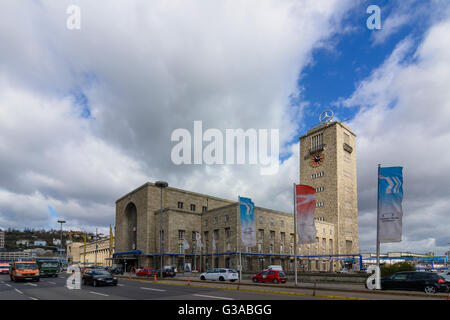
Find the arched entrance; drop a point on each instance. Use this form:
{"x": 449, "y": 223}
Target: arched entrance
{"x": 131, "y": 227}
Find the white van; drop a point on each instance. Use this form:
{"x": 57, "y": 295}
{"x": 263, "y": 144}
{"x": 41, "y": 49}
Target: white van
{"x": 275, "y": 267}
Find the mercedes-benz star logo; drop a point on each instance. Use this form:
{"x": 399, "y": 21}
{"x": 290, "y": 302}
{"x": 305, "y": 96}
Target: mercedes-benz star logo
{"x": 326, "y": 116}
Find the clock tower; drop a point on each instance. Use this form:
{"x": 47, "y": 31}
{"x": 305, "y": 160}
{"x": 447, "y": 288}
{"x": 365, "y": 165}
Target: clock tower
{"x": 328, "y": 163}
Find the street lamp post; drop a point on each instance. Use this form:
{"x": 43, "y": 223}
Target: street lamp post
{"x": 161, "y": 185}
{"x": 61, "y": 222}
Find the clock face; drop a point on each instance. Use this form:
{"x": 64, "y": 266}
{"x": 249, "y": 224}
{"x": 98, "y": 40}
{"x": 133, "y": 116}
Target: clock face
{"x": 317, "y": 159}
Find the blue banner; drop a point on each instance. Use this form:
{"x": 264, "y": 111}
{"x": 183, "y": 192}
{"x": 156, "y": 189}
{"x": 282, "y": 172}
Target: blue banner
{"x": 390, "y": 197}
{"x": 248, "y": 222}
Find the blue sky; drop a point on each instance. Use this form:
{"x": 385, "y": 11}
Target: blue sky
{"x": 336, "y": 70}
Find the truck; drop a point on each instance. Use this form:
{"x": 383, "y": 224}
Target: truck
{"x": 48, "y": 267}
{"x": 24, "y": 270}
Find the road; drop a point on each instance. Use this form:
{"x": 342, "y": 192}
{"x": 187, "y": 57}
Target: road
{"x": 55, "y": 289}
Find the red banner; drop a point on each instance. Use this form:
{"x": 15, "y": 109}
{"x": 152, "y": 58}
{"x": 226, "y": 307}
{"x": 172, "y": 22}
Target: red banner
{"x": 305, "y": 197}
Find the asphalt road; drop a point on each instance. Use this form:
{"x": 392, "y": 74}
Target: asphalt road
{"x": 55, "y": 289}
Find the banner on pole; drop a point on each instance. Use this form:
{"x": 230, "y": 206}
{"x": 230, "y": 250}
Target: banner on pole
{"x": 198, "y": 237}
{"x": 248, "y": 222}
{"x": 305, "y": 197}
{"x": 186, "y": 245}
{"x": 390, "y": 197}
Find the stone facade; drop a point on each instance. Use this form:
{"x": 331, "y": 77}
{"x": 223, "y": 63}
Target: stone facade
{"x": 185, "y": 213}
{"x": 96, "y": 252}
{"x": 333, "y": 174}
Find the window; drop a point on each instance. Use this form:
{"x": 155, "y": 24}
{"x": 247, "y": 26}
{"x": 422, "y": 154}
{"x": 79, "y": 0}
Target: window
{"x": 192, "y": 207}
{"x": 271, "y": 248}
{"x": 206, "y": 222}
{"x": 180, "y": 234}
{"x": 180, "y": 205}
{"x": 227, "y": 232}
{"x": 204, "y": 208}
{"x": 216, "y": 219}
{"x": 316, "y": 142}
{"x": 193, "y": 235}
{"x": 272, "y": 235}
{"x": 261, "y": 234}
{"x": 227, "y": 218}
{"x": 180, "y": 248}
{"x": 320, "y": 189}
{"x": 281, "y": 249}
{"x": 282, "y": 236}
{"x": 259, "y": 248}
{"x": 260, "y": 219}
{"x": 206, "y": 235}
{"x": 216, "y": 235}
{"x": 282, "y": 223}
{"x": 272, "y": 222}
{"x": 319, "y": 204}
{"x": 317, "y": 175}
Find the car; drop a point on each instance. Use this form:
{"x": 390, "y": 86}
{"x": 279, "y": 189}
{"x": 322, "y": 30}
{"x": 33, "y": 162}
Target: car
{"x": 116, "y": 270}
{"x": 273, "y": 276}
{"x": 24, "y": 270}
{"x": 446, "y": 276}
{"x": 167, "y": 272}
{"x": 429, "y": 282}
{"x": 98, "y": 277}
{"x": 275, "y": 267}
{"x": 4, "y": 267}
{"x": 147, "y": 272}
{"x": 221, "y": 274}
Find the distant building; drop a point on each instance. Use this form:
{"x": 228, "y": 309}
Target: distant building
{"x": 23, "y": 242}
{"x": 40, "y": 243}
{"x": 56, "y": 242}
{"x": 96, "y": 252}
{"x": 11, "y": 256}
{"x": 2, "y": 239}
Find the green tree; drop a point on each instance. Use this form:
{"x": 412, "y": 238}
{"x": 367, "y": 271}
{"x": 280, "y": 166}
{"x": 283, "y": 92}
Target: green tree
{"x": 397, "y": 267}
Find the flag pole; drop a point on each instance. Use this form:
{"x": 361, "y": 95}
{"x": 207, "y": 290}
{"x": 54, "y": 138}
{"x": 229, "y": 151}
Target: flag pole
{"x": 238, "y": 231}
{"x": 295, "y": 236}
{"x": 378, "y": 224}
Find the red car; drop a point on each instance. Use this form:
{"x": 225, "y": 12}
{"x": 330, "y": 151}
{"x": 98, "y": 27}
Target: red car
{"x": 147, "y": 273}
{"x": 274, "y": 276}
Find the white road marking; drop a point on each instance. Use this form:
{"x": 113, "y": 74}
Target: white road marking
{"x": 19, "y": 291}
{"x": 52, "y": 282}
{"x": 152, "y": 289}
{"x": 8, "y": 285}
{"x": 121, "y": 285}
{"x": 100, "y": 294}
{"x": 213, "y": 297}
{"x": 34, "y": 298}
{"x": 31, "y": 284}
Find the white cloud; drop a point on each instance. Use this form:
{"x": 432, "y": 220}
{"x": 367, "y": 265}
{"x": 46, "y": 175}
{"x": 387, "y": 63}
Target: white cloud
{"x": 405, "y": 120}
{"x": 142, "y": 70}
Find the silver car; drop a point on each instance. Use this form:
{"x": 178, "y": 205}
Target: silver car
{"x": 221, "y": 274}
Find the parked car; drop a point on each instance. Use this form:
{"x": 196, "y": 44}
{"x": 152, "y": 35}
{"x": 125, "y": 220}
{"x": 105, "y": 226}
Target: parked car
{"x": 221, "y": 274}
{"x": 147, "y": 272}
{"x": 275, "y": 267}
{"x": 273, "y": 276}
{"x": 167, "y": 272}
{"x": 116, "y": 270}
{"x": 24, "y": 270}
{"x": 4, "y": 267}
{"x": 429, "y": 282}
{"x": 446, "y": 276}
{"x": 98, "y": 277}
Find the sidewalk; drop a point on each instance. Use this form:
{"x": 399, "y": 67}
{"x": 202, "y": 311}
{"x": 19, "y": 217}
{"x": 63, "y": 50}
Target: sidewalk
{"x": 316, "y": 286}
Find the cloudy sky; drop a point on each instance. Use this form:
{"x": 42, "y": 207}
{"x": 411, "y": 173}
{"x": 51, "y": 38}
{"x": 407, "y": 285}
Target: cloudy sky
{"x": 86, "y": 115}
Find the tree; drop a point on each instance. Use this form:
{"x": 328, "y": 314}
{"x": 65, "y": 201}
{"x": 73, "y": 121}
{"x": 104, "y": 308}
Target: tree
{"x": 397, "y": 267}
